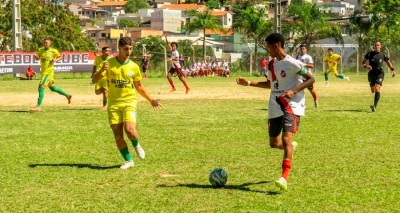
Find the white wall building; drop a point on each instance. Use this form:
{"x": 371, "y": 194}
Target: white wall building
{"x": 167, "y": 20}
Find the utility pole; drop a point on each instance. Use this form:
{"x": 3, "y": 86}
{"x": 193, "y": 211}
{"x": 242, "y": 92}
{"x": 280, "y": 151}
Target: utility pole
{"x": 17, "y": 31}
{"x": 277, "y": 16}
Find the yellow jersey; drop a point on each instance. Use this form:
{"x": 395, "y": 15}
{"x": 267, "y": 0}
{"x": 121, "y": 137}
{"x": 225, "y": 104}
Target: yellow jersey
{"x": 46, "y": 60}
{"x": 331, "y": 59}
{"x": 97, "y": 62}
{"x": 120, "y": 79}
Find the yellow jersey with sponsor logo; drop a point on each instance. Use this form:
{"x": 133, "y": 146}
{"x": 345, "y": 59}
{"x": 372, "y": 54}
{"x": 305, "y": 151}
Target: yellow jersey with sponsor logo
{"x": 331, "y": 59}
{"x": 97, "y": 62}
{"x": 120, "y": 79}
{"x": 46, "y": 60}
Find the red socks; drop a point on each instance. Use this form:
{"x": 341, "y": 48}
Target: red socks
{"x": 315, "y": 97}
{"x": 172, "y": 84}
{"x": 286, "y": 165}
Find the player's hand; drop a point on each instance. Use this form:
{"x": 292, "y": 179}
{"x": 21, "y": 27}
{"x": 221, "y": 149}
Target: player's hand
{"x": 37, "y": 57}
{"x": 241, "y": 81}
{"x": 368, "y": 67}
{"x": 288, "y": 94}
{"x": 393, "y": 73}
{"x": 105, "y": 66}
{"x": 156, "y": 105}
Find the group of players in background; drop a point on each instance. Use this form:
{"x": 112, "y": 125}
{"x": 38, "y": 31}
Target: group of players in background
{"x": 119, "y": 78}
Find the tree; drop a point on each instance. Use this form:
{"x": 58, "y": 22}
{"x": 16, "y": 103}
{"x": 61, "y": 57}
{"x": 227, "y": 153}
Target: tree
{"x": 41, "y": 20}
{"x": 306, "y": 23}
{"x": 252, "y": 23}
{"x": 213, "y": 4}
{"x": 126, "y": 23}
{"x": 385, "y": 10}
{"x": 132, "y": 6}
{"x": 202, "y": 21}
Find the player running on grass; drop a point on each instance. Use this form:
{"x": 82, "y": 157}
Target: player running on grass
{"x": 375, "y": 71}
{"x": 47, "y": 57}
{"x": 287, "y": 100}
{"x": 101, "y": 86}
{"x": 176, "y": 67}
{"x": 307, "y": 59}
{"x": 332, "y": 60}
{"x": 124, "y": 78}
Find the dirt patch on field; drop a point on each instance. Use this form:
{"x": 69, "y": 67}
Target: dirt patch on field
{"x": 95, "y": 100}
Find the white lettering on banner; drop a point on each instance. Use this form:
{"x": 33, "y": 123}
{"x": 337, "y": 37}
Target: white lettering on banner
{"x": 63, "y": 68}
{"x": 6, "y": 70}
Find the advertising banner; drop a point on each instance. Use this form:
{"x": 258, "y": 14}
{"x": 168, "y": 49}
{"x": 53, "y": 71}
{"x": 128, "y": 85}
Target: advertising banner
{"x": 18, "y": 62}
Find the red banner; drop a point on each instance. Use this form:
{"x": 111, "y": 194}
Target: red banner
{"x": 18, "y": 62}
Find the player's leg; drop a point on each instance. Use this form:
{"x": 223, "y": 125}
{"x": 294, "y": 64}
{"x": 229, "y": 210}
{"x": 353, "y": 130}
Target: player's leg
{"x": 105, "y": 98}
{"x": 170, "y": 72}
{"x": 290, "y": 126}
{"x": 326, "y": 75}
{"x": 314, "y": 94}
{"x": 115, "y": 119}
{"x": 376, "y": 88}
{"x": 44, "y": 81}
{"x": 58, "y": 90}
{"x": 130, "y": 119}
{"x": 180, "y": 76}
{"x": 341, "y": 76}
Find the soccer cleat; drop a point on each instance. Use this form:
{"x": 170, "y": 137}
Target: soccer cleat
{"x": 187, "y": 90}
{"x": 35, "y": 109}
{"x": 316, "y": 103}
{"x": 327, "y": 84}
{"x": 373, "y": 108}
{"x": 69, "y": 99}
{"x": 127, "y": 165}
{"x": 294, "y": 145}
{"x": 347, "y": 78}
{"x": 140, "y": 152}
{"x": 281, "y": 183}
{"x": 172, "y": 90}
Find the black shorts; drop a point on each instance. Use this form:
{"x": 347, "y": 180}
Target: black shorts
{"x": 176, "y": 70}
{"x": 284, "y": 123}
{"x": 375, "y": 77}
{"x": 144, "y": 69}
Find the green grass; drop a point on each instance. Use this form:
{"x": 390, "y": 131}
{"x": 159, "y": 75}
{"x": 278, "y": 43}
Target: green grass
{"x": 64, "y": 159}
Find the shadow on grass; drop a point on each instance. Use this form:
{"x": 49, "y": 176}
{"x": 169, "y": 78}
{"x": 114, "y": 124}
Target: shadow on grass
{"x": 81, "y": 109}
{"x": 14, "y": 111}
{"x": 346, "y": 110}
{"x": 263, "y": 109}
{"x": 241, "y": 187}
{"x": 78, "y": 165}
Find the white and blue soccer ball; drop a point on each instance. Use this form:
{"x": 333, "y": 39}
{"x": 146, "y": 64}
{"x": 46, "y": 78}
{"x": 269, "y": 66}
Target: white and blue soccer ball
{"x": 218, "y": 177}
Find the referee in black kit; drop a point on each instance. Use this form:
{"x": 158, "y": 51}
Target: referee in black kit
{"x": 375, "y": 71}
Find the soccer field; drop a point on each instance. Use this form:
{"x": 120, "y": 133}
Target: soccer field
{"x": 64, "y": 159}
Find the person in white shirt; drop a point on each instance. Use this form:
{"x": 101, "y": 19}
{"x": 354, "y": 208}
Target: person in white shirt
{"x": 176, "y": 67}
{"x": 307, "y": 59}
{"x": 286, "y": 102}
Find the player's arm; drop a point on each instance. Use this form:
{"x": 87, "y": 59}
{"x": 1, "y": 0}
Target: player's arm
{"x": 365, "y": 65}
{"x": 260, "y": 84}
{"x": 166, "y": 41}
{"x": 390, "y": 65}
{"x": 311, "y": 65}
{"x": 142, "y": 91}
{"x": 94, "y": 70}
{"x": 309, "y": 80}
{"x": 100, "y": 74}
{"x": 56, "y": 59}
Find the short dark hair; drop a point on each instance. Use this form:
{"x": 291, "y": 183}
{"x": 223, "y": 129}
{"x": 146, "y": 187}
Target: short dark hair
{"x": 274, "y": 38}
{"x": 105, "y": 48}
{"x": 302, "y": 45}
{"x": 176, "y": 44}
{"x": 47, "y": 39}
{"x": 330, "y": 49}
{"x": 125, "y": 41}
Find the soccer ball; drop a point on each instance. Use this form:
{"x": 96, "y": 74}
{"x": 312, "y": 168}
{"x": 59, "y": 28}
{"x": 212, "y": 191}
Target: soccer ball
{"x": 218, "y": 177}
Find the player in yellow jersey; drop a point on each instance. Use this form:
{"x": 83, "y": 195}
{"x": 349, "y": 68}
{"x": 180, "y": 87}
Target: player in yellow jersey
{"x": 101, "y": 86}
{"x": 332, "y": 60}
{"x": 48, "y": 56}
{"x": 123, "y": 76}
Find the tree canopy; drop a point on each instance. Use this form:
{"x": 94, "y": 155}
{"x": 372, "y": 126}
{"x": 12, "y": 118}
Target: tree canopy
{"x": 41, "y": 20}
{"x": 132, "y": 6}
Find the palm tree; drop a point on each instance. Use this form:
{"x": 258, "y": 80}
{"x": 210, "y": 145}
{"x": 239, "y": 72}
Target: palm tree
{"x": 202, "y": 21}
{"x": 306, "y": 23}
{"x": 252, "y": 23}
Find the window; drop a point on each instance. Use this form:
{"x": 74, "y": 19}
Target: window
{"x": 217, "y": 49}
{"x": 103, "y": 35}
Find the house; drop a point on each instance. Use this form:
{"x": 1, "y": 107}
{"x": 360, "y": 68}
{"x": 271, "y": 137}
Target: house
{"x": 224, "y": 16}
{"x": 339, "y": 8}
{"x": 97, "y": 33}
{"x": 167, "y": 20}
{"x": 112, "y": 6}
{"x": 140, "y": 33}
{"x": 184, "y": 7}
{"x": 84, "y": 11}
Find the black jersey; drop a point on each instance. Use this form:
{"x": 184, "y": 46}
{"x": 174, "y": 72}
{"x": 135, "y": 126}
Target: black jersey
{"x": 376, "y": 59}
